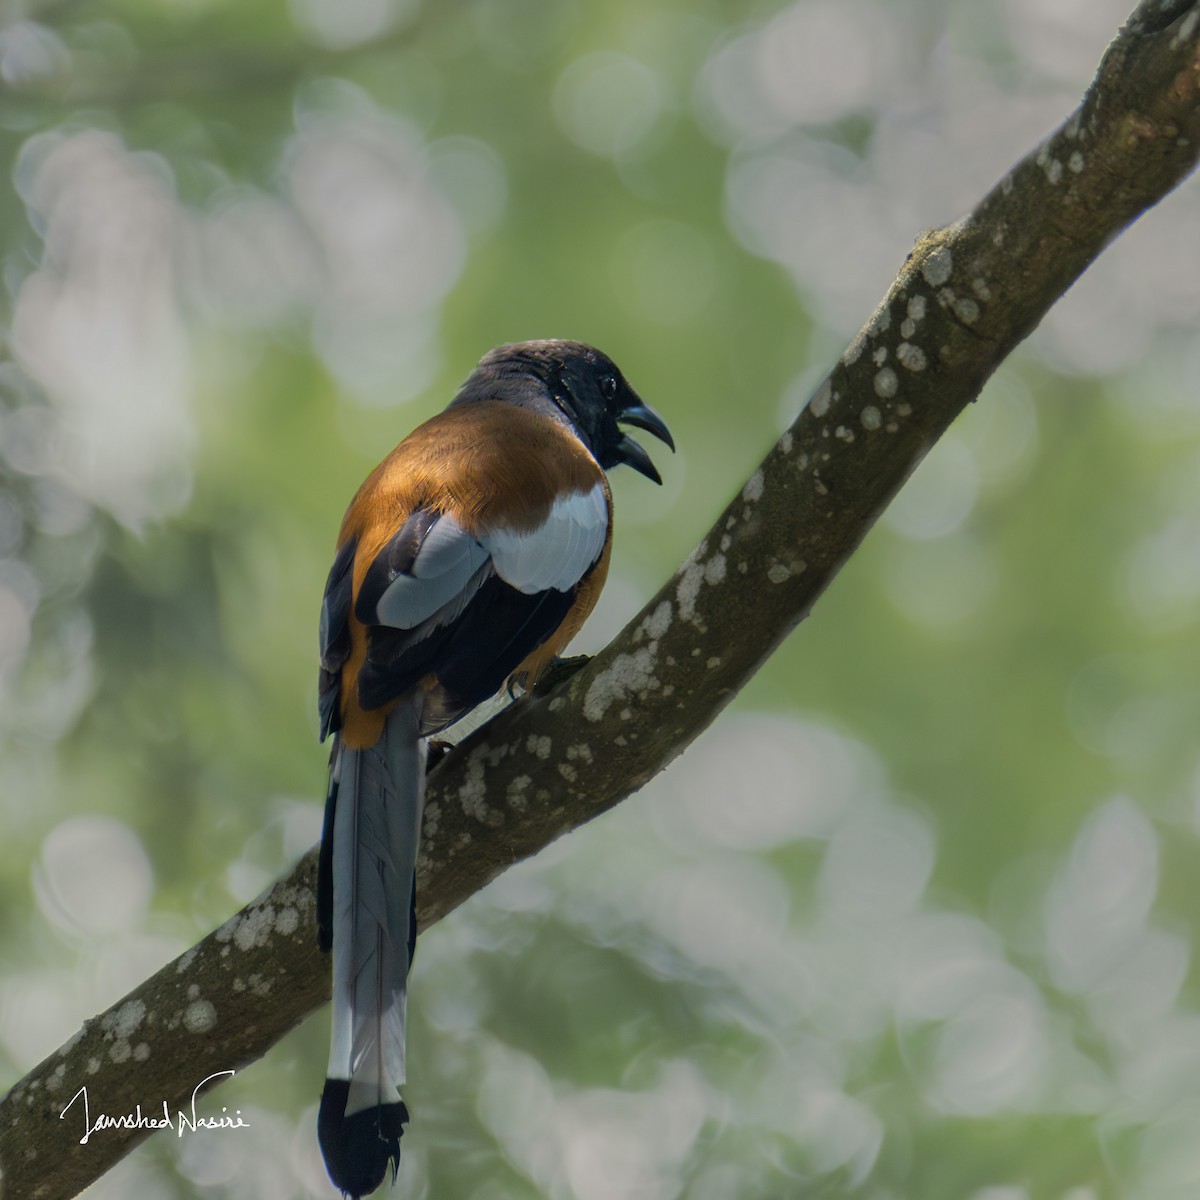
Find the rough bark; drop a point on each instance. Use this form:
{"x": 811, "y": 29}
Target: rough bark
{"x": 963, "y": 299}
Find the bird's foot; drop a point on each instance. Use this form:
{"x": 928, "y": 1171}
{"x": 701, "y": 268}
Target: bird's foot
{"x": 559, "y": 671}
{"x": 435, "y": 752}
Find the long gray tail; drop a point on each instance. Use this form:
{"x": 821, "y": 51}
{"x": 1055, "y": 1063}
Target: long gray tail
{"x": 365, "y": 909}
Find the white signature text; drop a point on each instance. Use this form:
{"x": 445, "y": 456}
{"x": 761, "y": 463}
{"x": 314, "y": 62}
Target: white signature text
{"x": 181, "y": 1122}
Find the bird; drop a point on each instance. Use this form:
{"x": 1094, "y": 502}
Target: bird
{"x": 465, "y": 563}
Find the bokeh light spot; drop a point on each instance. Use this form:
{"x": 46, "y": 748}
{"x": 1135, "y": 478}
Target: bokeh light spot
{"x": 93, "y": 876}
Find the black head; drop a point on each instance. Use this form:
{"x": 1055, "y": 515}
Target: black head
{"x": 584, "y": 386}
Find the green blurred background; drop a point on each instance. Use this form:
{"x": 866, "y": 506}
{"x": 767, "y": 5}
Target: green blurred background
{"x": 915, "y": 918}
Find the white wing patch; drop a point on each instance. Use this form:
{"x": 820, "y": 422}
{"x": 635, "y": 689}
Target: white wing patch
{"x": 558, "y": 552}
{"x": 447, "y": 570}
{"x": 444, "y": 566}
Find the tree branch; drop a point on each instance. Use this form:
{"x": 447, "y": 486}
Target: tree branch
{"x": 964, "y": 298}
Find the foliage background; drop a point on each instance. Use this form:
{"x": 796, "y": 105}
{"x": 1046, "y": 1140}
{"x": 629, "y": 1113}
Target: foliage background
{"x": 915, "y": 918}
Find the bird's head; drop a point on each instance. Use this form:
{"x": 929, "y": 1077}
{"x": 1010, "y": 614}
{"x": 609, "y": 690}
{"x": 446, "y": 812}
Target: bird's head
{"x": 587, "y": 388}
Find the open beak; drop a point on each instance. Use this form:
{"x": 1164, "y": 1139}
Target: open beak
{"x": 644, "y": 417}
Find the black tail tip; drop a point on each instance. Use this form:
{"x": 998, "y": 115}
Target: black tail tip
{"x": 358, "y": 1149}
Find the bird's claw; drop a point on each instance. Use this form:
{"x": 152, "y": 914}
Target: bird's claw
{"x": 559, "y": 671}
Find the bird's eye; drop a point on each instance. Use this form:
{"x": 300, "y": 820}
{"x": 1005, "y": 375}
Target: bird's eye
{"x": 608, "y": 386}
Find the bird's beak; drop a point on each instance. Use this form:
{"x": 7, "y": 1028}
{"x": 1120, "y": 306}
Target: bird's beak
{"x": 644, "y": 417}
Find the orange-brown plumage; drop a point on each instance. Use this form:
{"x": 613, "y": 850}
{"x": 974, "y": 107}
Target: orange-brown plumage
{"x": 492, "y": 465}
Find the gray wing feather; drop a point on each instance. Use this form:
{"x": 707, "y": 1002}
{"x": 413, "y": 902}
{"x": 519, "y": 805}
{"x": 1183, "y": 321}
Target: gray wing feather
{"x": 443, "y": 566}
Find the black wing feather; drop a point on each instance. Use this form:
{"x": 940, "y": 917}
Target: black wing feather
{"x": 335, "y": 636}
{"x": 472, "y": 656}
